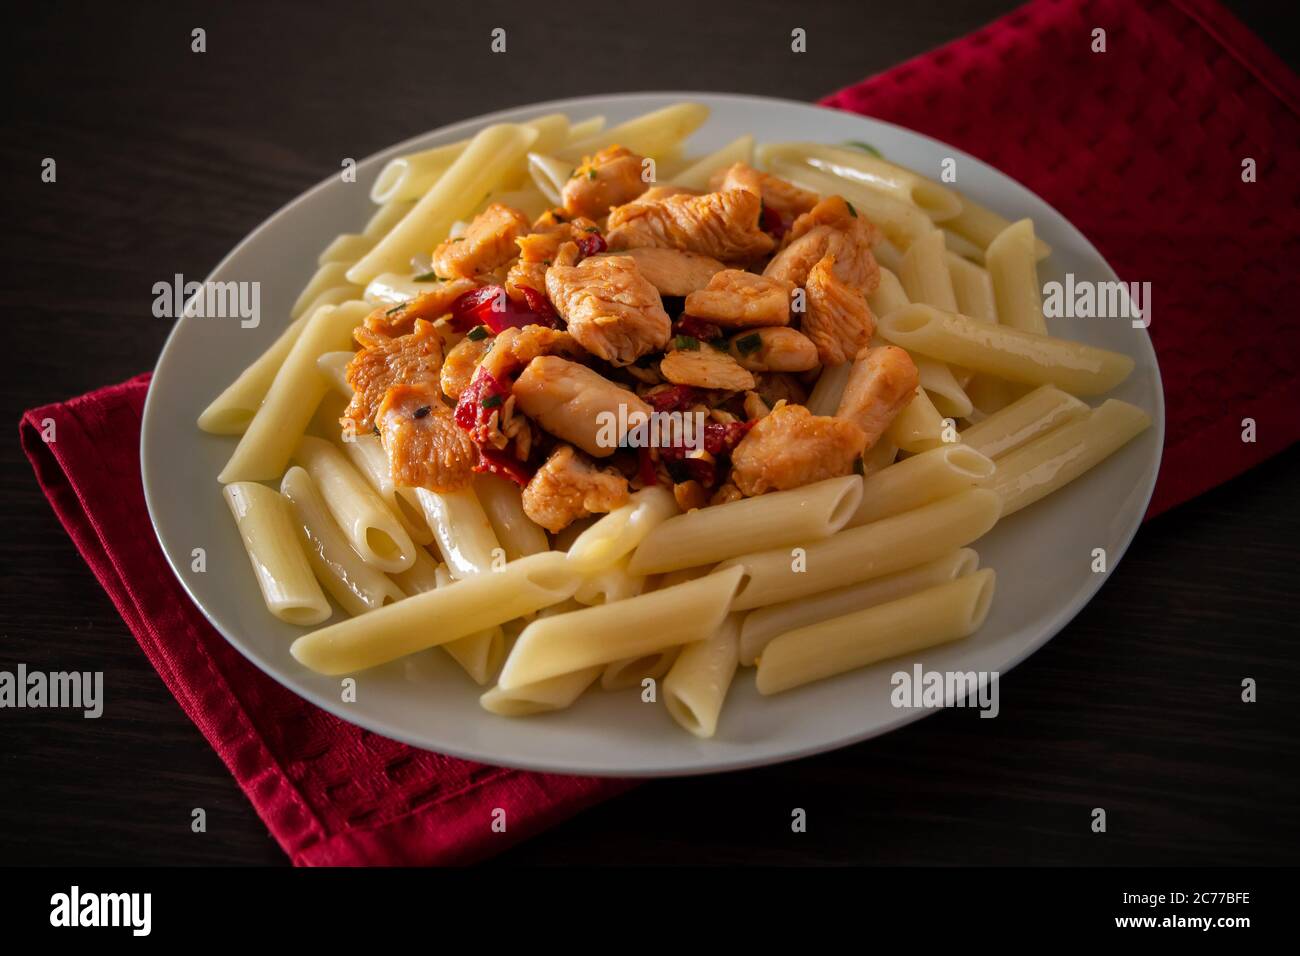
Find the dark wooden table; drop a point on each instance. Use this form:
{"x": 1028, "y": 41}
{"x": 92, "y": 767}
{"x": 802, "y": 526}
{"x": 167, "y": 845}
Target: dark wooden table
{"x": 166, "y": 158}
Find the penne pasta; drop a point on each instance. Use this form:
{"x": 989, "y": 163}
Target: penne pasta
{"x": 437, "y": 617}
{"x": 334, "y": 366}
{"x": 372, "y": 530}
{"x": 355, "y": 585}
{"x": 936, "y": 201}
{"x": 549, "y": 175}
{"x": 383, "y": 219}
{"x": 773, "y": 520}
{"x": 963, "y": 248}
{"x": 765, "y": 623}
{"x": 1005, "y": 352}
{"x": 1014, "y": 274}
{"x": 620, "y": 532}
{"x": 919, "y": 427}
{"x": 462, "y": 531}
{"x": 421, "y": 576}
{"x": 625, "y": 674}
{"x": 346, "y": 247}
{"x": 613, "y": 583}
{"x": 868, "y": 551}
{"x": 902, "y": 222}
{"x": 973, "y": 289}
{"x": 479, "y": 654}
{"x": 265, "y": 446}
{"x": 1053, "y": 460}
{"x": 483, "y": 164}
{"x": 826, "y": 394}
{"x": 503, "y": 505}
{"x": 329, "y": 280}
{"x": 605, "y": 633}
{"x": 889, "y": 294}
{"x": 367, "y": 455}
{"x": 697, "y": 174}
{"x": 981, "y": 226}
{"x": 279, "y": 564}
{"x": 231, "y": 412}
{"x": 1023, "y": 420}
{"x": 651, "y": 134}
{"x": 919, "y": 480}
{"x": 937, "y": 615}
{"x": 554, "y": 693}
{"x": 879, "y": 456}
{"x": 696, "y": 687}
{"x": 924, "y": 273}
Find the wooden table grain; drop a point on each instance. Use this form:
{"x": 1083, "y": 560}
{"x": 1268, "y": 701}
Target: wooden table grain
{"x": 167, "y": 157}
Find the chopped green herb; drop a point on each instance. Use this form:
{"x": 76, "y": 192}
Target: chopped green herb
{"x": 478, "y": 333}
{"x": 430, "y": 277}
{"x": 686, "y": 343}
{"x": 749, "y": 344}
{"x": 395, "y": 309}
{"x": 852, "y": 212}
{"x": 858, "y": 468}
{"x": 591, "y": 174}
{"x": 423, "y": 410}
{"x": 492, "y": 401}
{"x": 865, "y": 147}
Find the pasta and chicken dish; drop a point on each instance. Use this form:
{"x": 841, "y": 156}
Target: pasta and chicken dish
{"x": 576, "y": 408}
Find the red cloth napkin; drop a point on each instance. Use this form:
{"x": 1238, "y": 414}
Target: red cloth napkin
{"x": 1141, "y": 147}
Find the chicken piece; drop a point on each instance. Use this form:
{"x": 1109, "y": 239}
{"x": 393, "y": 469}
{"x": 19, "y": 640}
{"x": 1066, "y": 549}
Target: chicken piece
{"x": 426, "y": 448}
{"x": 488, "y": 243}
{"x": 832, "y": 227}
{"x": 776, "y": 349}
{"x": 537, "y": 250}
{"x": 513, "y": 348}
{"x": 412, "y": 359}
{"x": 672, "y": 271}
{"x": 722, "y": 225}
{"x": 393, "y": 320}
{"x": 578, "y": 405}
{"x": 838, "y": 320}
{"x": 881, "y": 384}
{"x": 610, "y": 308}
{"x": 462, "y": 360}
{"x": 791, "y": 448}
{"x": 735, "y": 299}
{"x": 705, "y": 367}
{"x": 568, "y": 487}
{"x": 786, "y": 199}
{"x": 610, "y": 178}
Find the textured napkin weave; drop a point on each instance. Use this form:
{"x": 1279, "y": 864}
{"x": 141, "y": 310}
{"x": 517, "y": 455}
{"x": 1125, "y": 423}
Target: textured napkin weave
{"x": 1141, "y": 147}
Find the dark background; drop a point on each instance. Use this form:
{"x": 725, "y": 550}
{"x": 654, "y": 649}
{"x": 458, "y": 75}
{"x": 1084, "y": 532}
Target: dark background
{"x": 167, "y": 158}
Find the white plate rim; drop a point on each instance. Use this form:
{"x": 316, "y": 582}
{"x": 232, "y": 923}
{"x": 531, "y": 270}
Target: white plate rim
{"x": 1062, "y": 617}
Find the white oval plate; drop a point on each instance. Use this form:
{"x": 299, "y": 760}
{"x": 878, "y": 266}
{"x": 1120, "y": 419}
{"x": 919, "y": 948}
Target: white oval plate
{"x": 1042, "y": 555}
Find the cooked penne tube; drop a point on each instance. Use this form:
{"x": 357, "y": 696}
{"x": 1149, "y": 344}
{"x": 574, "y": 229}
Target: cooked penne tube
{"x": 390, "y": 288}
{"x": 902, "y": 222}
{"x": 773, "y": 520}
{"x": 1053, "y": 460}
{"x": 436, "y": 617}
{"x": 1006, "y": 352}
{"x": 937, "y": 615}
{"x": 462, "y": 531}
{"x": 383, "y": 219}
{"x": 697, "y": 174}
{"x": 282, "y": 570}
{"x": 624, "y": 674}
{"x": 938, "y": 381}
{"x": 973, "y": 289}
{"x": 503, "y": 505}
{"x": 329, "y": 279}
{"x": 866, "y": 552}
{"x": 651, "y": 134}
{"x": 368, "y": 457}
{"x": 828, "y": 391}
{"x": 888, "y": 255}
{"x": 696, "y": 687}
{"x": 372, "y": 530}
{"x": 1014, "y": 273}
{"x": 357, "y": 586}
{"x": 889, "y": 294}
{"x": 264, "y": 449}
{"x": 919, "y": 427}
{"x": 919, "y": 480}
{"x": 346, "y": 247}
{"x": 549, "y": 175}
{"x": 924, "y": 273}
{"x": 879, "y": 456}
{"x": 485, "y": 161}
{"x": 334, "y": 366}
{"x": 528, "y": 199}
{"x": 765, "y": 623}
{"x": 554, "y": 693}
{"x": 938, "y": 202}
{"x": 1023, "y": 420}
{"x": 410, "y": 177}
{"x": 963, "y": 248}
{"x": 605, "y": 633}
{"x": 613, "y": 583}
{"x": 618, "y": 533}
{"x": 421, "y": 576}
{"x": 981, "y": 226}
{"x": 231, "y": 412}
{"x": 479, "y": 654}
